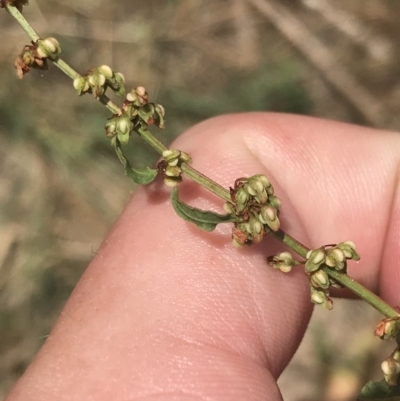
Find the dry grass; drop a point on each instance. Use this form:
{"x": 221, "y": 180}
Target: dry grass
{"x": 61, "y": 187}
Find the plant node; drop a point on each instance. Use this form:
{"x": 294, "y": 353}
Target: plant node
{"x": 253, "y": 200}
{"x": 170, "y": 166}
{"x": 317, "y": 266}
{"x": 284, "y": 261}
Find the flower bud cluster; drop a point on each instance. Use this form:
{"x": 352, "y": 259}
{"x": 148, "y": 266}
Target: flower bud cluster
{"x": 36, "y": 55}
{"x": 284, "y": 261}
{"x": 391, "y": 368}
{"x": 98, "y": 80}
{"x": 137, "y": 107}
{"x": 321, "y": 297}
{"x": 48, "y": 48}
{"x": 332, "y": 257}
{"x": 335, "y": 257}
{"x": 136, "y": 111}
{"x": 170, "y": 166}
{"x": 253, "y": 199}
{"x": 119, "y": 126}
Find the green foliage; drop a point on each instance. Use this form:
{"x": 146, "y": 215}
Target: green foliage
{"x": 377, "y": 391}
{"x": 206, "y": 220}
{"x": 142, "y": 176}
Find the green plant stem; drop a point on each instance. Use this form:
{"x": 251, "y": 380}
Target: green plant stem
{"x": 292, "y": 243}
{"x": 206, "y": 182}
{"x": 188, "y": 170}
{"x": 211, "y": 185}
{"x": 61, "y": 64}
{"x": 23, "y": 22}
{"x": 151, "y": 140}
{"x": 364, "y": 293}
{"x": 65, "y": 68}
{"x": 358, "y": 289}
{"x": 195, "y": 175}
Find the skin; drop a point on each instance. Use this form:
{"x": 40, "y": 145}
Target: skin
{"x": 168, "y": 312}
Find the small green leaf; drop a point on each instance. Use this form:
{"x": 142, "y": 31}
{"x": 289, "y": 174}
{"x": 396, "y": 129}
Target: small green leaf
{"x": 203, "y": 219}
{"x": 142, "y": 176}
{"x": 377, "y": 391}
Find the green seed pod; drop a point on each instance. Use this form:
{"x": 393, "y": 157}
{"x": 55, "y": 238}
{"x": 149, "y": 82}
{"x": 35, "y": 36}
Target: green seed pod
{"x": 255, "y": 226}
{"x": 171, "y": 156}
{"x": 391, "y": 370}
{"x": 256, "y": 189}
{"x": 269, "y": 216}
{"x": 284, "y": 261}
{"x": 315, "y": 258}
{"x": 330, "y": 261}
{"x": 319, "y": 297}
{"x": 247, "y": 227}
{"x": 173, "y": 162}
{"x": 124, "y": 128}
{"x": 160, "y": 109}
{"x": 173, "y": 171}
{"x": 111, "y": 127}
{"x": 101, "y": 79}
{"x": 92, "y": 79}
{"x": 124, "y": 125}
{"x": 171, "y": 181}
{"x": 257, "y": 238}
{"x": 119, "y": 77}
{"x": 130, "y": 110}
{"x": 158, "y": 116}
{"x": 106, "y": 71}
{"x": 141, "y": 91}
{"x": 335, "y": 259}
{"x": 270, "y": 190}
{"x": 275, "y": 202}
{"x": 242, "y": 197}
{"x": 338, "y": 255}
{"x": 349, "y": 250}
{"x": 146, "y": 113}
{"x": 264, "y": 180}
{"x": 131, "y": 96}
{"x": 96, "y": 82}
{"x": 81, "y": 85}
{"x": 228, "y": 207}
{"x": 117, "y": 83}
{"x": 141, "y": 96}
{"x": 185, "y": 158}
{"x": 27, "y": 57}
{"x": 48, "y": 47}
{"x": 320, "y": 279}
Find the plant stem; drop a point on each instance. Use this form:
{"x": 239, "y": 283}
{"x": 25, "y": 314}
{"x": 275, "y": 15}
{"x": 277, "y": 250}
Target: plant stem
{"x": 61, "y": 64}
{"x": 192, "y": 173}
{"x": 151, "y": 140}
{"x": 23, "y": 22}
{"x": 292, "y": 243}
{"x": 206, "y": 182}
{"x": 358, "y": 289}
{"x": 65, "y": 68}
{"x": 195, "y": 175}
{"x": 364, "y": 293}
{"x": 211, "y": 185}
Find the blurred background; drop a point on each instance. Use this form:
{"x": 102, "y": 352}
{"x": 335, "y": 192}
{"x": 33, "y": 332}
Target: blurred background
{"x": 61, "y": 186}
